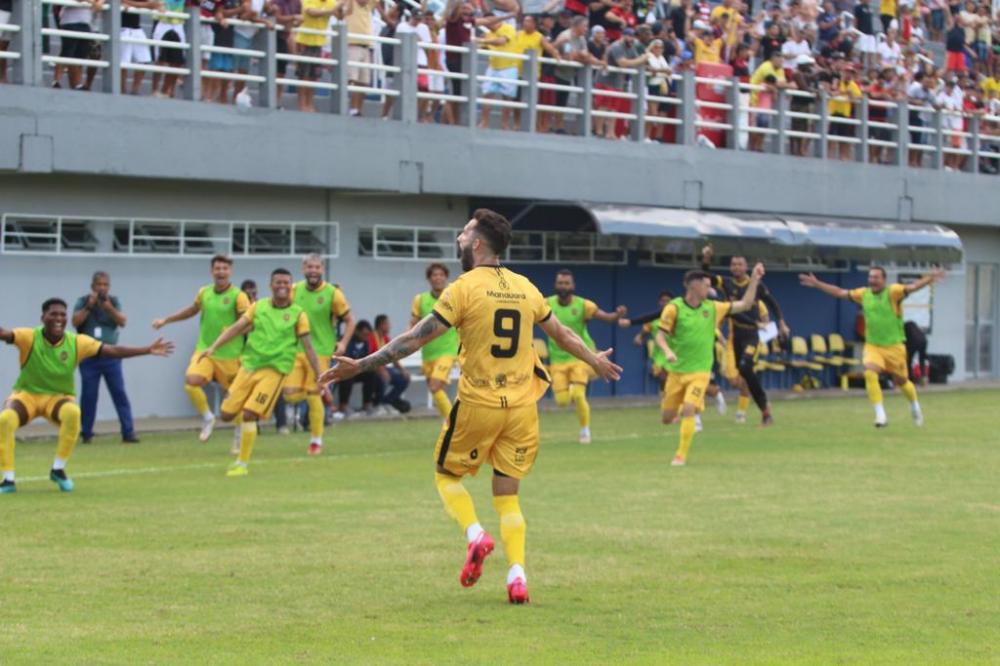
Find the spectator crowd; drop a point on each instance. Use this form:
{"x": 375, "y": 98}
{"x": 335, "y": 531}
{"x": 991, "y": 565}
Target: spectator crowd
{"x": 935, "y": 54}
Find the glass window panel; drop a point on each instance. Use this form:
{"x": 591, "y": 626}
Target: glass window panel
{"x": 985, "y": 350}
{"x": 970, "y": 348}
{"x": 987, "y": 292}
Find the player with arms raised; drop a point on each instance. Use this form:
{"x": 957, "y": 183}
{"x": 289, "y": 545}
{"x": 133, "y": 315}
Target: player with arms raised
{"x": 885, "y": 348}
{"x": 686, "y": 336}
{"x": 495, "y": 417}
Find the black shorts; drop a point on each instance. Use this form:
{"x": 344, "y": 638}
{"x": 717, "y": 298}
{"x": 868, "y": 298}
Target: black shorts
{"x": 309, "y": 70}
{"x": 745, "y": 341}
{"x": 840, "y": 129}
{"x": 916, "y": 137}
{"x": 170, "y": 56}
{"x": 562, "y": 96}
{"x": 75, "y": 48}
{"x": 880, "y": 133}
{"x": 456, "y": 87}
{"x": 282, "y": 47}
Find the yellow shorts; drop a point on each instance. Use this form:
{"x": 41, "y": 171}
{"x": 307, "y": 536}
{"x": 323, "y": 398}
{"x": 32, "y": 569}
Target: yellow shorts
{"x": 40, "y": 404}
{"x": 218, "y": 370}
{"x": 302, "y": 377}
{"x": 685, "y": 389}
{"x": 891, "y": 359}
{"x": 574, "y": 372}
{"x": 439, "y": 368}
{"x": 254, "y": 391}
{"x": 505, "y": 438}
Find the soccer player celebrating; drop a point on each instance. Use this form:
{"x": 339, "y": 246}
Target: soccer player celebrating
{"x": 440, "y": 355}
{"x": 570, "y": 376}
{"x": 495, "y": 416}
{"x": 46, "y": 385}
{"x": 324, "y": 304}
{"x": 220, "y": 305}
{"x": 274, "y": 327}
{"x": 743, "y": 337}
{"x": 687, "y": 339}
{"x": 885, "y": 348}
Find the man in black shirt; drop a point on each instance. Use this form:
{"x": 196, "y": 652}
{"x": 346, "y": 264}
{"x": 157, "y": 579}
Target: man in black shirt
{"x": 743, "y": 336}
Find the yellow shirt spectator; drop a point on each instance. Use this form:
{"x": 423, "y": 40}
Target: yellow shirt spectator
{"x": 525, "y": 43}
{"x": 710, "y": 51}
{"x": 729, "y": 20}
{"x": 841, "y": 103}
{"x": 990, "y": 87}
{"x": 314, "y": 23}
{"x": 760, "y": 74}
{"x": 499, "y": 62}
{"x": 887, "y": 7}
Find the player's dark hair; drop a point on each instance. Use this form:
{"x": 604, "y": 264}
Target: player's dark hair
{"x": 881, "y": 270}
{"x": 221, "y": 259}
{"x": 666, "y": 293}
{"x": 494, "y": 229}
{"x": 694, "y": 275}
{"x": 380, "y": 319}
{"x": 564, "y": 271}
{"x": 98, "y": 275}
{"x": 247, "y": 284}
{"x": 52, "y": 301}
{"x": 430, "y": 269}
{"x": 363, "y": 324}
{"x": 281, "y": 271}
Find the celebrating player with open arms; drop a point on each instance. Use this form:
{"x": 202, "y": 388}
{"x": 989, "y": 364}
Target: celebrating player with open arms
{"x": 495, "y": 416}
{"x": 46, "y": 385}
{"x": 885, "y": 348}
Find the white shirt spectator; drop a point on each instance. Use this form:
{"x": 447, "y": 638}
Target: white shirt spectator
{"x": 423, "y": 34}
{"x": 70, "y": 15}
{"x": 890, "y": 54}
{"x": 249, "y": 31}
{"x": 952, "y": 101}
{"x": 792, "y": 50}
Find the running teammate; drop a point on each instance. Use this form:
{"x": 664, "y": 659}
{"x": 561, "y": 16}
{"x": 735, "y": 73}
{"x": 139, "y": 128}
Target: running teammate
{"x": 687, "y": 338}
{"x": 46, "y": 385}
{"x": 325, "y": 306}
{"x": 275, "y": 328}
{"x": 570, "y": 376}
{"x": 495, "y": 416}
{"x": 744, "y": 338}
{"x": 439, "y": 356}
{"x": 220, "y": 305}
{"x": 885, "y": 348}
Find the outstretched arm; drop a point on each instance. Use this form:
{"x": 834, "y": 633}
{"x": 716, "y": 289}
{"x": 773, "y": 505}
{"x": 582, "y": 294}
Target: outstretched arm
{"x": 240, "y": 327}
{"x": 160, "y": 347}
{"x": 180, "y": 315}
{"x": 772, "y": 305}
{"x": 399, "y": 347}
{"x": 610, "y": 317}
{"x": 661, "y": 342}
{"x": 6, "y": 336}
{"x": 571, "y": 342}
{"x": 813, "y": 282}
{"x": 750, "y": 296}
{"x": 936, "y": 275}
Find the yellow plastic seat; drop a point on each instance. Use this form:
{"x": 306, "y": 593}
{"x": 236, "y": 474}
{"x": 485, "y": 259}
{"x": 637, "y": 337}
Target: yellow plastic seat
{"x": 800, "y": 355}
{"x": 820, "y": 354}
{"x": 838, "y": 349}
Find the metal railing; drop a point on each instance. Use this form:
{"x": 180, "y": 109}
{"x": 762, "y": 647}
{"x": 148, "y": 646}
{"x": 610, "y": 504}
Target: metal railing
{"x": 735, "y": 115}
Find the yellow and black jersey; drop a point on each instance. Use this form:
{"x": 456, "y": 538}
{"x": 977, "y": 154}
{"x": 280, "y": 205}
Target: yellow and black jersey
{"x": 495, "y": 311}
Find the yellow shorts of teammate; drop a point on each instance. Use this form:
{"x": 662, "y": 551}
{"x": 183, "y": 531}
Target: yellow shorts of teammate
{"x": 891, "y": 358}
{"x": 574, "y": 372}
{"x": 686, "y": 388}
{"x": 302, "y": 377}
{"x": 254, "y": 391}
{"x": 218, "y": 370}
{"x": 439, "y": 368}
{"x": 40, "y": 404}
{"x": 507, "y": 439}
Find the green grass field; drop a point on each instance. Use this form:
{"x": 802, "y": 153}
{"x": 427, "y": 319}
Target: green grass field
{"x": 820, "y": 540}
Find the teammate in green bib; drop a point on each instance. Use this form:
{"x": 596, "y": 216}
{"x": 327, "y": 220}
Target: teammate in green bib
{"x": 219, "y": 305}
{"x": 885, "y": 349}
{"x": 570, "y": 376}
{"x": 440, "y": 355}
{"x": 46, "y": 385}
{"x": 686, "y": 336}
{"x": 275, "y": 328}
{"x": 326, "y": 308}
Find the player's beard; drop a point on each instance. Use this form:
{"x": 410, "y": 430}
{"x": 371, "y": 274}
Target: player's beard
{"x": 564, "y": 293}
{"x": 465, "y": 254}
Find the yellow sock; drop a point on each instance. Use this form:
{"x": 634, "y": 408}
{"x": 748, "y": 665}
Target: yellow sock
{"x": 297, "y": 396}
{"x": 513, "y": 529}
{"x": 687, "y": 434}
{"x": 743, "y": 403}
{"x": 9, "y": 423}
{"x": 69, "y": 429}
{"x": 909, "y": 390}
{"x": 316, "y": 415}
{"x": 248, "y": 435}
{"x": 442, "y": 402}
{"x": 873, "y": 387}
{"x": 562, "y": 398}
{"x": 198, "y": 399}
{"x": 457, "y": 500}
{"x": 579, "y": 394}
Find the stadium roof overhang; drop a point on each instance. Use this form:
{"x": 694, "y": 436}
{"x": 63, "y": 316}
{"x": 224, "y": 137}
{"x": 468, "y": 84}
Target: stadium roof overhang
{"x": 820, "y": 237}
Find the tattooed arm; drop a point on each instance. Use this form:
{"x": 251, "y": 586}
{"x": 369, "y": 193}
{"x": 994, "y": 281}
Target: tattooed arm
{"x": 399, "y": 347}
